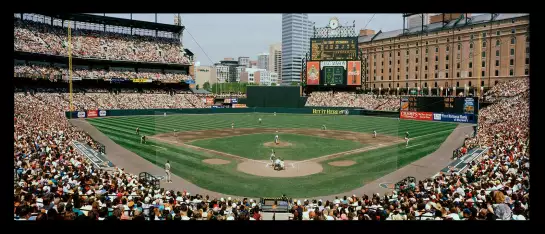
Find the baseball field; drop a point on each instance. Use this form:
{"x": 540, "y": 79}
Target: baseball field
{"x": 207, "y": 151}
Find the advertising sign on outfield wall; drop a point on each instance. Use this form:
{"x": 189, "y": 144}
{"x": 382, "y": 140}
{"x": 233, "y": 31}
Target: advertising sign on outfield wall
{"x": 81, "y": 114}
{"x": 458, "y": 118}
{"x": 92, "y": 113}
{"x": 102, "y": 113}
{"x": 416, "y": 115}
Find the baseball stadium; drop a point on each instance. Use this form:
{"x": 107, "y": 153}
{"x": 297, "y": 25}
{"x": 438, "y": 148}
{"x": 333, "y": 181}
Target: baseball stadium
{"x": 110, "y": 125}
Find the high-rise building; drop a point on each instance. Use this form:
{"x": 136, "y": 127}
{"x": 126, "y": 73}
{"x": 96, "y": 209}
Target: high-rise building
{"x": 263, "y": 61}
{"x": 275, "y": 58}
{"x": 253, "y": 64}
{"x": 296, "y": 33}
{"x": 244, "y": 61}
{"x": 476, "y": 52}
{"x": 222, "y": 73}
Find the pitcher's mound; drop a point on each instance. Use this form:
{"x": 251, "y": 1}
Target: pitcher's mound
{"x": 215, "y": 161}
{"x": 293, "y": 168}
{"x": 343, "y": 163}
{"x": 281, "y": 144}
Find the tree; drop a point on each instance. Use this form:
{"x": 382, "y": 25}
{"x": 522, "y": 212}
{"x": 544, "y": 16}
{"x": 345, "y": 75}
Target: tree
{"x": 273, "y": 84}
{"x": 197, "y": 87}
{"x": 294, "y": 83}
{"x": 206, "y": 86}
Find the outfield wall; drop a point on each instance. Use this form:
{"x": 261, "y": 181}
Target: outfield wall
{"x": 306, "y": 110}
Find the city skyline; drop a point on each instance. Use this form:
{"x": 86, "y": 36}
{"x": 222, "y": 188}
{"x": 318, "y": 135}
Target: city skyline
{"x": 248, "y": 35}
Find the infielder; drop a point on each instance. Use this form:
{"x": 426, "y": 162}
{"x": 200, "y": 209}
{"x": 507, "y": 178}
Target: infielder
{"x": 276, "y": 140}
{"x": 143, "y": 139}
{"x": 137, "y": 131}
{"x": 232, "y": 125}
{"x": 259, "y": 120}
{"x": 374, "y": 133}
{"x": 167, "y": 171}
{"x": 324, "y": 127}
{"x": 406, "y": 139}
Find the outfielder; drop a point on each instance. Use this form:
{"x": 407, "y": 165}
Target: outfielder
{"x": 259, "y": 120}
{"x": 406, "y": 139}
{"x": 274, "y": 113}
{"x": 143, "y": 139}
{"x": 374, "y": 133}
{"x": 232, "y": 125}
{"x": 167, "y": 171}
{"x": 137, "y": 131}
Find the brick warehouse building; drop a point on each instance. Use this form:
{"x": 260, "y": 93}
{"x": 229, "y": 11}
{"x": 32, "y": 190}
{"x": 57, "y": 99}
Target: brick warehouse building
{"x": 459, "y": 51}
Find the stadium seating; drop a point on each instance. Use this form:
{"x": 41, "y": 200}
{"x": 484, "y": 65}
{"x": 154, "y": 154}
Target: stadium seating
{"x": 36, "y": 37}
{"x": 41, "y": 70}
{"x": 496, "y": 187}
{"x": 346, "y": 99}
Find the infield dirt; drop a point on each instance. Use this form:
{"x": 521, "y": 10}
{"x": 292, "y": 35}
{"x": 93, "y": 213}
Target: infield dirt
{"x": 293, "y": 168}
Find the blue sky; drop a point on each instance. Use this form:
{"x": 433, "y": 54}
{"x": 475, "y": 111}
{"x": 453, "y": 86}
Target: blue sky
{"x": 234, "y": 35}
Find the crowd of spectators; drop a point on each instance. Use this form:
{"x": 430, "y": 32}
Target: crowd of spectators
{"x": 53, "y": 181}
{"x": 129, "y": 99}
{"x": 508, "y": 89}
{"x": 37, "y": 37}
{"x": 46, "y": 71}
{"x": 350, "y": 99}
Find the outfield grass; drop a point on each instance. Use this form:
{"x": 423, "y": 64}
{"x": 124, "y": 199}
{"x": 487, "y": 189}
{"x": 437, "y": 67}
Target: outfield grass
{"x": 303, "y": 147}
{"x": 426, "y": 138}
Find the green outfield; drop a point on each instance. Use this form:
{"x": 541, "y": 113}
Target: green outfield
{"x": 187, "y": 163}
{"x": 303, "y": 147}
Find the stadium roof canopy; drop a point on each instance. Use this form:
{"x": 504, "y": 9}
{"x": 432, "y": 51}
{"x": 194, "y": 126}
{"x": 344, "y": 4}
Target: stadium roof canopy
{"x": 107, "y": 20}
{"x": 439, "y": 26}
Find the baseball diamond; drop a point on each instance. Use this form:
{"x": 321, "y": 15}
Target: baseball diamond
{"x": 341, "y": 158}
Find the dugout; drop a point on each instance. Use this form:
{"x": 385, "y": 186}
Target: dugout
{"x": 274, "y": 96}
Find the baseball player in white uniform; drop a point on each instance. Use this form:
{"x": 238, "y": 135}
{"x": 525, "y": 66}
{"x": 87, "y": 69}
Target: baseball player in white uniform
{"x": 406, "y": 139}
{"x": 274, "y": 113}
{"x": 143, "y": 139}
{"x": 374, "y": 133}
{"x": 276, "y": 140}
{"x": 277, "y": 163}
{"x": 259, "y": 120}
{"x": 137, "y": 131}
{"x": 232, "y": 125}
{"x": 272, "y": 158}
{"x": 324, "y": 127}
{"x": 167, "y": 171}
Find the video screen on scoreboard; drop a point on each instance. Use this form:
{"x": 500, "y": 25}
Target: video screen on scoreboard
{"x": 333, "y": 75}
{"x": 333, "y": 49}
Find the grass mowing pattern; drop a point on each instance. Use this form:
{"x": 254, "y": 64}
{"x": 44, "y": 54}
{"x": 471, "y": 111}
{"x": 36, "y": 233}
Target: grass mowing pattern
{"x": 303, "y": 147}
{"x": 226, "y": 179}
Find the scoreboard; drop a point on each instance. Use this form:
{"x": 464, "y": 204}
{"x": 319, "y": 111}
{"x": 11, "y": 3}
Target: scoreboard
{"x": 334, "y": 75}
{"x": 334, "y": 49}
{"x": 455, "y": 105}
